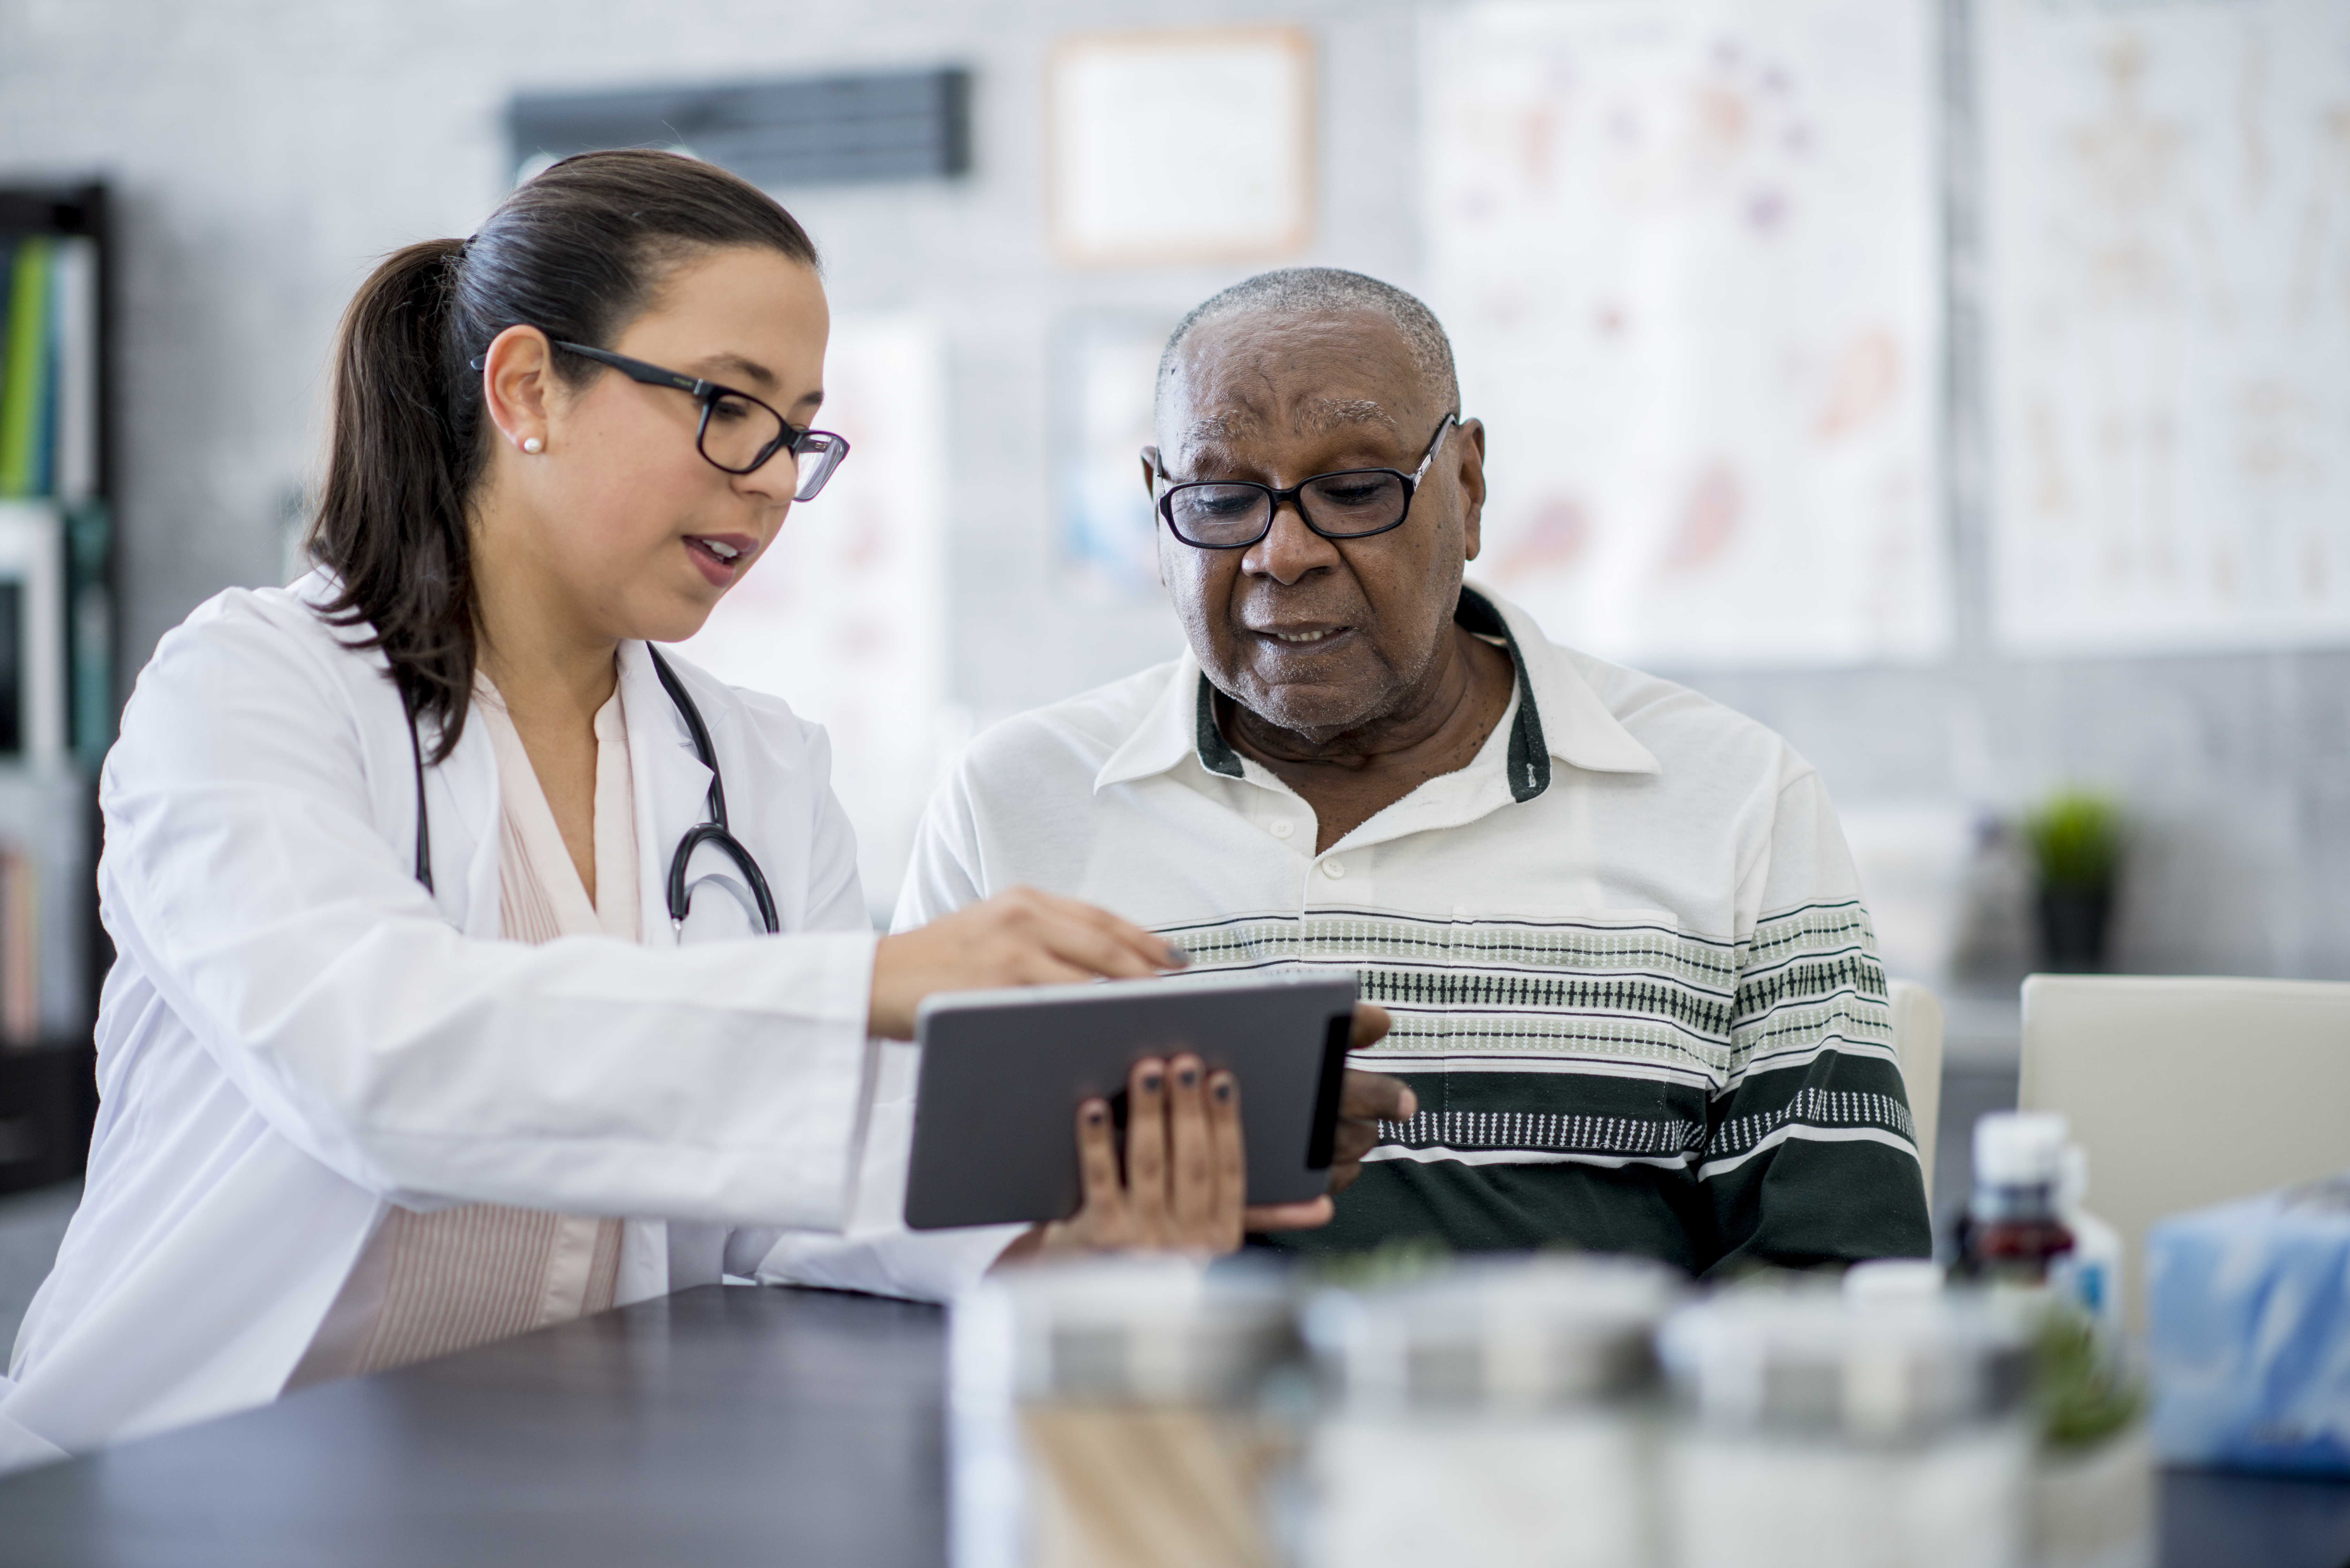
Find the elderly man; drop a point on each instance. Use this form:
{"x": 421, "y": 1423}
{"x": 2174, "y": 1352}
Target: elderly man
{"x": 1634, "y": 989}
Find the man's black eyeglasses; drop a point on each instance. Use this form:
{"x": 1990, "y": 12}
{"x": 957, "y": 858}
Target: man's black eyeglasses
{"x": 738, "y": 433}
{"x": 1350, "y": 504}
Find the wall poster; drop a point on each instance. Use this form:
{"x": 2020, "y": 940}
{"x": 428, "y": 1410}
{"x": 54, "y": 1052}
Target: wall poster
{"x": 1688, "y": 254}
{"x": 2167, "y": 221}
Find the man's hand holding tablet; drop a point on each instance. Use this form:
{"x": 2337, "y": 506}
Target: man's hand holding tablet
{"x": 1183, "y": 1182}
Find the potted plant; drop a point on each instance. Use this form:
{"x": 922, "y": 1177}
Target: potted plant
{"x": 2074, "y": 839}
{"x": 2093, "y": 1502}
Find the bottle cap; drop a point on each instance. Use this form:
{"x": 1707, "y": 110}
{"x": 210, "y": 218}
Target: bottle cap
{"x": 1810, "y": 1360}
{"x": 1140, "y": 1329}
{"x": 2020, "y": 1148}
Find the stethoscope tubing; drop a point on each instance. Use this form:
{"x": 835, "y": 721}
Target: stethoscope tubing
{"x": 714, "y": 833}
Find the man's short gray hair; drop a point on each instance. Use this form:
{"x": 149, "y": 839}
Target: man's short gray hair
{"x": 1329, "y": 291}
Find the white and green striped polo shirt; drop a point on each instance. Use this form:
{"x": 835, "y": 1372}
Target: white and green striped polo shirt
{"x": 1633, "y": 983}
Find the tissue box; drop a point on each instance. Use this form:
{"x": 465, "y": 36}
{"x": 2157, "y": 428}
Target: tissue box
{"x": 2249, "y": 1317}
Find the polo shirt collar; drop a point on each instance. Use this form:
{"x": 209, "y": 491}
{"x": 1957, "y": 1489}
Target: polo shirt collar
{"x": 1572, "y": 724}
{"x": 1558, "y": 714}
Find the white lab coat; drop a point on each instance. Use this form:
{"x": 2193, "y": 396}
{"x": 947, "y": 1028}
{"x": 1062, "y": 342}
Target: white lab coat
{"x": 297, "y": 1036}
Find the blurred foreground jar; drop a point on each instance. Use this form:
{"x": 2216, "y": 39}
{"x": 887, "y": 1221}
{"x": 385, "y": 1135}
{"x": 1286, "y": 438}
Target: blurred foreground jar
{"x": 1817, "y": 1431}
{"x": 1104, "y": 1414}
{"x": 1500, "y": 1414}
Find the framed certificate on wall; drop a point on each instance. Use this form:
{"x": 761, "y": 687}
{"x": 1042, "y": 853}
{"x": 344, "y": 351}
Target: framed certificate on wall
{"x": 1172, "y": 148}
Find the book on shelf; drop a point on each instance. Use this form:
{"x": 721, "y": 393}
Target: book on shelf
{"x": 20, "y": 946}
{"x": 34, "y": 651}
{"x": 57, "y": 622}
{"x": 89, "y": 608}
{"x": 48, "y": 367}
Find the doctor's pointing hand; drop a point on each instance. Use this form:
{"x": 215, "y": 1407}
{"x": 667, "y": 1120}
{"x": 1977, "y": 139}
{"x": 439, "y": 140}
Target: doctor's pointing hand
{"x": 432, "y": 1019}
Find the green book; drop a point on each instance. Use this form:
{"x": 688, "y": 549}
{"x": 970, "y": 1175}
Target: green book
{"x": 23, "y": 372}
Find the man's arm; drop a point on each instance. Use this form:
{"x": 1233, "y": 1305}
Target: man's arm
{"x": 1811, "y": 1155}
{"x": 943, "y": 874}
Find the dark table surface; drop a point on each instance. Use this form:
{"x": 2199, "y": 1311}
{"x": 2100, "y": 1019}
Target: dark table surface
{"x": 790, "y": 1427}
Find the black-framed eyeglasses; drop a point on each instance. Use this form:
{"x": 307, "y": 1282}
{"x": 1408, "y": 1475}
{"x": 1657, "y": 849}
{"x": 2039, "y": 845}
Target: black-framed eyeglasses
{"x": 738, "y": 432}
{"x": 1349, "y": 503}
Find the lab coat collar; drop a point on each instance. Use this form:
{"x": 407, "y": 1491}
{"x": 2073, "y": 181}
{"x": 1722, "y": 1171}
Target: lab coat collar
{"x": 1558, "y": 714}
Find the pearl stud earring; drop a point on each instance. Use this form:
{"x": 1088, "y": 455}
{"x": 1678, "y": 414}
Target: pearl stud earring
{"x": 533, "y": 445}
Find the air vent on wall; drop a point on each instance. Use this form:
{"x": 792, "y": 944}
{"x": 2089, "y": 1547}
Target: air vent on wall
{"x": 807, "y": 130}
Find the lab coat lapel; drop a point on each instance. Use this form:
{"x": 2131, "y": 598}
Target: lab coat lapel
{"x": 460, "y": 801}
{"x": 672, "y": 787}
{"x": 465, "y": 811}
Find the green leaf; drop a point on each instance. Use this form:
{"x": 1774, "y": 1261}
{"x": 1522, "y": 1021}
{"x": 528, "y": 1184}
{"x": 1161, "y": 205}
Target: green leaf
{"x": 2075, "y": 838}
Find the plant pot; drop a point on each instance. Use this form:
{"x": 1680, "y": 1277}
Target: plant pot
{"x": 2094, "y": 1508}
{"x": 2073, "y": 922}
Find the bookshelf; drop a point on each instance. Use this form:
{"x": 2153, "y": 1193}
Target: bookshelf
{"x": 59, "y": 701}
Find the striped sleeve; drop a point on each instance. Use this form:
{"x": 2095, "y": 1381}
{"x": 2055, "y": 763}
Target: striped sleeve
{"x": 1810, "y": 1155}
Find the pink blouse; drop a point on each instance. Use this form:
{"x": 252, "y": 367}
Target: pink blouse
{"x": 431, "y": 1283}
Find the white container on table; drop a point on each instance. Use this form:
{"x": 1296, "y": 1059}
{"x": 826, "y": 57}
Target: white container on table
{"x": 1106, "y": 1415}
{"x": 1816, "y": 1430}
{"x": 1500, "y": 1414}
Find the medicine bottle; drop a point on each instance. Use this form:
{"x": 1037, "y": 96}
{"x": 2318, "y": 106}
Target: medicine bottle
{"x": 2013, "y": 1229}
{"x": 1502, "y": 1414}
{"x": 2090, "y": 1275}
{"x": 1104, "y": 1414}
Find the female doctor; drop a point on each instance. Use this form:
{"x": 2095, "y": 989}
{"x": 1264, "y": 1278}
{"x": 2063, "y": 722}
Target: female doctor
{"x": 359, "y": 1106}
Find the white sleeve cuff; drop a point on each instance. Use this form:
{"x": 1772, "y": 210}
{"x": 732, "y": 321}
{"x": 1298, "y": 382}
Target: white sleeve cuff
{"x": 876, "y": 1252}
{"x": 919, "y": 1265}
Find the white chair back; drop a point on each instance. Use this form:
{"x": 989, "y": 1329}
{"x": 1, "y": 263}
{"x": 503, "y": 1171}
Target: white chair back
{"x": 2188, "y": 1092}
{"x": 1918, "y": 1041}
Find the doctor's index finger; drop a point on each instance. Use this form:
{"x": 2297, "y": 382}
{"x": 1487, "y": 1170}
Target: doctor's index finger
{"x": 1371, "y": 1025}
{"x": 1104, "y": 932}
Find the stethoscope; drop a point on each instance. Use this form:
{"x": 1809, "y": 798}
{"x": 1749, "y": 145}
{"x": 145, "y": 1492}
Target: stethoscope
{"x": 713, "y": 832}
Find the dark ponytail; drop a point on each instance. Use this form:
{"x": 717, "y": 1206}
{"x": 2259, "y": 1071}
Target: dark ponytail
{"x": 578, "y": 253}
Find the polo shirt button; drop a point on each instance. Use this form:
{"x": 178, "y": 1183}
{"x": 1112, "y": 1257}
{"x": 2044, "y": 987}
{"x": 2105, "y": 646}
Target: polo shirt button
{"x": 1284, "y": 828}
{"x": 1334, "y": 869}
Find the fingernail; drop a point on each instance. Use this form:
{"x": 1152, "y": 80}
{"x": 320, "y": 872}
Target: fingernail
{"x": 1188, "y": 1077}
{"x": 1224, "y": 1092}
{"x": 1177, "y": 959}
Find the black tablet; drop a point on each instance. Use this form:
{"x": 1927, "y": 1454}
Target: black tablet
{"x": 1003, "y": 1072}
